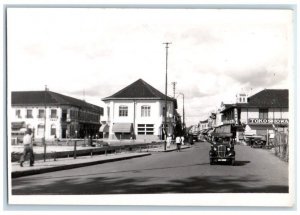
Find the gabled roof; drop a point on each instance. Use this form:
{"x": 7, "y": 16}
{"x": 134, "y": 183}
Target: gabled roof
{"x": 267, "y": 98}
{"x": 49, "y": 98}
{"x": 139, "y": 90}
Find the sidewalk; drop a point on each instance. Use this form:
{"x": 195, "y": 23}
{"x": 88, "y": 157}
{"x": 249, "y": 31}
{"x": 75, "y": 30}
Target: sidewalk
{"x": 68, "y": 163}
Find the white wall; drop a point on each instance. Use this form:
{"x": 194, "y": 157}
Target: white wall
{"x": 35, "y": 121}
{"x": 244, "y": 115}
{"x": 156, "y": 113}
{"x": 253, "y": 113}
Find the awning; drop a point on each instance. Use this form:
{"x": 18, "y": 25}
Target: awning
{"x": 17, "y": 125}
{"x": 104, "y": 128}
{"x": 122, "y": 127}
{"x": 221, "y": 134}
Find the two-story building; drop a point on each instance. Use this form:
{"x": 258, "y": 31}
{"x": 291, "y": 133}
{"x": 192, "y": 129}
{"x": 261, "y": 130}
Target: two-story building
{"x": 137, "y": 112}
{"x": 203, "y": 125}
{"x": 259, "y": 114}
{"x": 52, "y": 115}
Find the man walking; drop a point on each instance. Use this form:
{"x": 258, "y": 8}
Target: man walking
{"x": 27, "y": 142}
{"x": 178, "y": 143}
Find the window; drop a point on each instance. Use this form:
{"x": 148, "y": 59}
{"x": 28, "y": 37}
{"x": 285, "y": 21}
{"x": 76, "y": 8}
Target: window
{"x": 263, "y": 113}
{"x": 53, "y": 130}
{"x": 18, "y": 113}
{"x": 41, "y": 113}
{"x": 145, "y": 129}
{"x": 40, "y": 130}
{"x": 145, "y": 111}
{"x": 29, "y": 113}
{"x": 123, "y": 110}
{"x": 53, "y": 113}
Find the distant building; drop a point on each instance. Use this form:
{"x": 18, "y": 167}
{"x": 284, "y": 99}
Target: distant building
{"x": 258, "y": 114}
{"x": 54, "y": 115}
{"x": 203, "y": 125}
{"x": 137, "y": 112}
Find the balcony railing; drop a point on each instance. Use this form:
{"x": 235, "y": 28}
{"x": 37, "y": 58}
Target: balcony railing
{"x": 268, "y": 121}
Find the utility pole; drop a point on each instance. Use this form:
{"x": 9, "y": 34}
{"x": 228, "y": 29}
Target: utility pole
{"x": 44, "y": 139}
{"x": 166, "y": 93}
{"x": 174, "y": 88}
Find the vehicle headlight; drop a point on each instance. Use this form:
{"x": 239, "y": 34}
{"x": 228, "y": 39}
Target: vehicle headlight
{"x": 215, "y": 149}
{"x": 228, "y": 149}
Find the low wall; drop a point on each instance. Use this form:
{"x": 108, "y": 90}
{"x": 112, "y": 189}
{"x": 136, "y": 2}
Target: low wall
{"x": 15, "y": 157}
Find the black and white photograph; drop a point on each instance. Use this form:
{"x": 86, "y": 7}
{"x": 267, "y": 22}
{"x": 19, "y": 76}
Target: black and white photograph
{"x": 150, "y": 106}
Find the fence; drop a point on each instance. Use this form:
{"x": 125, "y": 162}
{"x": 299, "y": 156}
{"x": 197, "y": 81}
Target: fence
{"x": 74, "y": 152}
{"x": 281, "y": 145}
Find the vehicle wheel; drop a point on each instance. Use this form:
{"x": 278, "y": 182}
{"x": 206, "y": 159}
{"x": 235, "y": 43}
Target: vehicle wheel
{"x": 232, "y": 161}
{"x": 211, "y": 161}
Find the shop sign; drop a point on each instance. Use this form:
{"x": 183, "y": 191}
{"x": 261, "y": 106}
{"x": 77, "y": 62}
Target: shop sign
{"x": 268, "y": 121}
{"x": 231, "y": 121}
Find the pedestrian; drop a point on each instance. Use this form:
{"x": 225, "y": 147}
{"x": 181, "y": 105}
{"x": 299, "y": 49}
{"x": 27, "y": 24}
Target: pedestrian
{"x": 182, "y": 140}
{"x": 28, "y": 148}
{"x": 178, "y": 143}
{"x": 169, "y": 140}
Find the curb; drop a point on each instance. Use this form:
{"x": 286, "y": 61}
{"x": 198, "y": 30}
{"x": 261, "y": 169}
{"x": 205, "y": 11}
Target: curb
{"x": 182, "y": 148}
{"x": 18, "y": 174}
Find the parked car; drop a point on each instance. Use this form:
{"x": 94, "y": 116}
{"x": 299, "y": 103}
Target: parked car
{"x": 256, "y": 141}
{"x": 222, "y": 149}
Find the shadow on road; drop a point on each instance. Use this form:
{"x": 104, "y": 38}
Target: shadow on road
{"x": 241, "y": 163}
{"x": 124, "y": 171}
{"x": 144, "y": 185}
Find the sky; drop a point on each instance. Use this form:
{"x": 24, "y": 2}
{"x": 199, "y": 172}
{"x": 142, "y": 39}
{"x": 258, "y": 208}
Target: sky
{"x": 92, "y": 53}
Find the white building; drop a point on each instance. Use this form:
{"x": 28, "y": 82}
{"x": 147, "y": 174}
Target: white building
{"x": 137, "y": 112}
{"x": 53, "y": 115}
{"x": 203, "y": 125}
{"x": 259, "y": 114}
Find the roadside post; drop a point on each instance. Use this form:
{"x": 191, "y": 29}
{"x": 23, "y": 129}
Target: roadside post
{"x": 44, "y": 143}
{"x": 75, "y": 143}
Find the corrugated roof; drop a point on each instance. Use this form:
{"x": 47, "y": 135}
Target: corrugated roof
{"x": 139, "y": 90}
{"x": 267, "y": 98}
{"x": 48, "y": 98}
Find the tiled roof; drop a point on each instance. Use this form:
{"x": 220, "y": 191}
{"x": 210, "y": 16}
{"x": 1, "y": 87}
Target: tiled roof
{"x": 48, "y": 98}
{"x": 270, "y": 98}
{"x": 139, "y": 90}
{"x": 267, "y": 98}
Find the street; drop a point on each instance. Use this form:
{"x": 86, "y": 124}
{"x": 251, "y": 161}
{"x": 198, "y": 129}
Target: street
{"x": 188, "y": 171}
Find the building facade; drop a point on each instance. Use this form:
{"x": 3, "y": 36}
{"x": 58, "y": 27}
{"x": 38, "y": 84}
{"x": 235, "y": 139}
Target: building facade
{"x": 137, "y": 112}
{"x": 259, "y": 114}
{"x": 53, "y": 115}
{"x": 203, "y": 125}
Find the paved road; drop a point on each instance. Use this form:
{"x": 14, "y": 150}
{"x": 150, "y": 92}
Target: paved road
{"x": 188, "y": 171}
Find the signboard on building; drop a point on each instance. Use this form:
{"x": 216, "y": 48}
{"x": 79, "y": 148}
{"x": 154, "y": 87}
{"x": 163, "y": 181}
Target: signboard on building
{"x": 235, "y": 115}
{"x": 268, "y": 121}
{"x": 229, "y": 121}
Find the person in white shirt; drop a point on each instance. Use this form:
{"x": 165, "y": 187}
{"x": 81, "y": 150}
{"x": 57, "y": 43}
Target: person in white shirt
{"x": 28, "y": 148}
{"x": 178, "y": 142}
{"x": 169, "y": 140}
{"x": 182, "y": 140}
